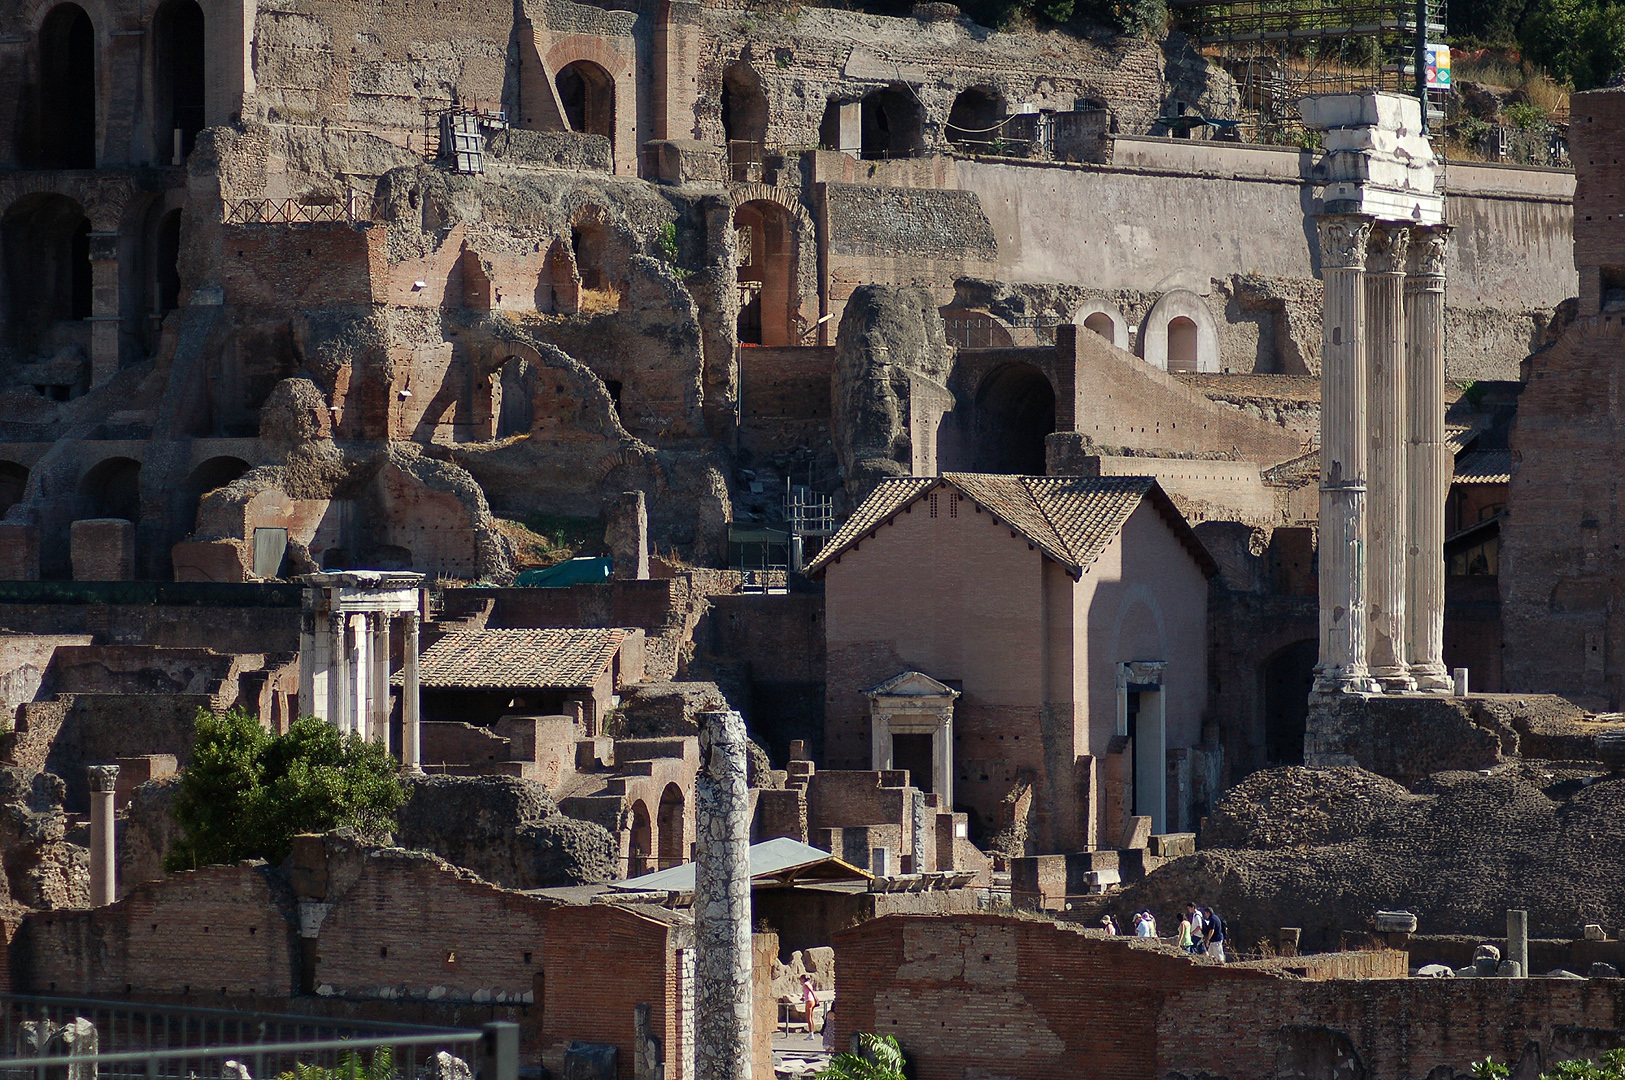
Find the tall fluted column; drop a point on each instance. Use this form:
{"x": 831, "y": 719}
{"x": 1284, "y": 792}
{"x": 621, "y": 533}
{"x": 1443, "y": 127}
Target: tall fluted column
{"x": 723, "y": 993}
{"x": 1430, "y": 464}
{"x": 338, "y": 669}
{"x": 1385, "y": 388}
{"x": 378, "y": 677}
{"x": 411, "y": 747}
{"x": 1343, "y": 446}
{"x": 103, "y": 852}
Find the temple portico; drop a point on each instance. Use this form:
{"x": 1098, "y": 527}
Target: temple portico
{"x": 344, "y": 653}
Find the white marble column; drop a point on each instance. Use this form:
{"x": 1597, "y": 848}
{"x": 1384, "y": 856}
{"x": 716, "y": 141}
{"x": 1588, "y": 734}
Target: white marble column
{"x": 1430, "y": 462}
{"x": 338, "y": 640}
{"x": 1388, "y": 437}
{"x": 411, "y": 758}
{"x": 1343, "y": 449}
{"x": 308, "y": 659}
{"x": 378, "y": 677}
{"x": 103, "y": 852}
{"x": 355, "y": 677}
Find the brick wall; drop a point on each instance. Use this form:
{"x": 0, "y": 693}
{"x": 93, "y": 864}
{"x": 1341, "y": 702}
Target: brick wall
{"x": 605, "y": 961}
{"x": 1597, "y": 122}
{"x": 974, "y": 994}
{"x": 281, "y": 265}
{"x": 410, "y": 921}
{"x": 205, "y": 934}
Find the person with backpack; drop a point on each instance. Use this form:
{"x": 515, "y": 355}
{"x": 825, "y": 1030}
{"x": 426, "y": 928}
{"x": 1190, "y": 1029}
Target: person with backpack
{"x": 1213, "y": 934}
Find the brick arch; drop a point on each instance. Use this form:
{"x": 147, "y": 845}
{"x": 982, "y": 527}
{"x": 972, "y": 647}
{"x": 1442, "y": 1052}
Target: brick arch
{"x": 106, "y": 201}
{"x": 740, "y": 194}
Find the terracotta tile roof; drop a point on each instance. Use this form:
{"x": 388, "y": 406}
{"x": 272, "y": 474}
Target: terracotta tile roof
{"x": 563, "y": 659}
{"x": 1484, "y": 467}
{"x": 1071, "y": 519}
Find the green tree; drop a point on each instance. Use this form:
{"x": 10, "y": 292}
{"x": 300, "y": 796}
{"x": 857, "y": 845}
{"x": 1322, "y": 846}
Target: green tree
{"x": 878, "y": 1058}
{"x": 1610, "y": 1066}
{"x": 247, "y": 792}
{"x": 1581, "y": 42}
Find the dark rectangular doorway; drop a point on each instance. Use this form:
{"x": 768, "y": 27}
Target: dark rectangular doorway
{"x": 913, "y": 752}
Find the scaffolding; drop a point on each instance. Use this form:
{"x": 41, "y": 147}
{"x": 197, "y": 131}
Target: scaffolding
{"x": 1279, "y": 51}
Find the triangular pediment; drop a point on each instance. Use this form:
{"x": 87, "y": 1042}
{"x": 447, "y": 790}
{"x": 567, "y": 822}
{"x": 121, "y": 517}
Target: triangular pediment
{"x": 912, "y": 684}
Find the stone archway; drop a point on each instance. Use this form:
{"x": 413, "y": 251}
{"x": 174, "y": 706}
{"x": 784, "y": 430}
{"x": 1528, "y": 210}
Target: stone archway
{"x": 1105, "y": 320}
{"x": 1015, "y": 410}
{"x": 179, "y": 79}
{"x": 587, "y": 94}
{"x": 65, "y": 132}
{"x": 1179, "y": 334}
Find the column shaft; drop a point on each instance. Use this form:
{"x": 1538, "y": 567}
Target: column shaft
{"x": 1430, "y": 464}
{"x": 724, "y": 999}
{"x": 103, "y": 852}
{"x": 338, "y": 634}
{"x": 410, "y": 746}
{"x": 1343, "y": 449}
{"x": 104, "y": 307}
{"x": 378, "y": 678}
{"x": 1386, "y": 501}
{"x": 307, "y": 665}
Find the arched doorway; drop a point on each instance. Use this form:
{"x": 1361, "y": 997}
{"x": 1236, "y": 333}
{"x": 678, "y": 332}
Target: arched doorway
{"x": 893, "y": 123}
{"x": 973, "y": 122}
{"x": 1015, "y": 410}
{"x": 516, "y": 411}
{"x": 639, "y": 848}
{"x": 765, "y": 237}
{"x": 13, "y": 484}
{"x": 46, "y": 241}
{"x": 673, "y": 832}
{"x": 744, "y": 118}
{"x": 1101, "y": 323}
{"x": 1182, "y": 344}
{"x": 67, "y": 101}
{"x": 587, "y": 93}
{"x": 1288, "y": 676}
{"x": 111, "y": 489}
{"x": 179, "y": 68}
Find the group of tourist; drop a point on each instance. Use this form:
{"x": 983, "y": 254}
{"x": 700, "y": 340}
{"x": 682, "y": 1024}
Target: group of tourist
{"x": 1201, "y": 930}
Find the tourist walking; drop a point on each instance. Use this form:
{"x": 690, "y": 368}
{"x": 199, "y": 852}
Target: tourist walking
{"x": 1198, "y": 930}
{"x": 1214, "y": 934}
{"x": 1185, "y": 941}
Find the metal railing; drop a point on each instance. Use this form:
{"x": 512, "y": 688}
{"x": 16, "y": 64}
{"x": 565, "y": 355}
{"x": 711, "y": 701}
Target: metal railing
{"x": 83, "y": 1039}
{"x": 293, "y": 212}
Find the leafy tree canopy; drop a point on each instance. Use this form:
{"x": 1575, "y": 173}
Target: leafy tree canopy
{"x": 1610, "y": 1066}
{"x": 878, "y": 1058}
{"x": 247, "y": 792}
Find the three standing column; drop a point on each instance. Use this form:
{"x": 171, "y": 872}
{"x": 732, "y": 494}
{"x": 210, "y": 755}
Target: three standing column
{"x": 378, "y": 678}
{"x": 1343, "y": 453}
{"x": 1430, "y": 465}
{"x": 411, "y": 748}
{"x": 1387, "y": 528}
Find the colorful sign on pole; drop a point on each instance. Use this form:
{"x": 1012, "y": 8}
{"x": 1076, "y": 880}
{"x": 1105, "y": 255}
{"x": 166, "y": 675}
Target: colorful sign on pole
{"x": 1438, "y": 67}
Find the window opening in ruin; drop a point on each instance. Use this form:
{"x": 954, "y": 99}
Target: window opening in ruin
{"x": 1480, "y": 560}
{"x": 211, "y": 475}
{"x": 768, "y": 310}
{"x": 829, "y": 127}
{"x": 1612, "y": 285}
{"x": 1101, "y": 323}
{"x": 589, "y": 243}
{"x": 893, "y": 123}
{"x": 1287, "y": 678}
{"x": 587, "y": 93}
{"x": 639, "y": 848}
{"x": 673, "y": 846}
{"x": 1181, "y": 344}
{"x": 13, "y": 483}
{"x": 178, "y": 79}
{"x": 913, "y": 752}
{"x": 614, "y": 388}
{"x": 744, "y": 120}
{"x": 1015, "y": 410}
{"x": 67, "y": 104}
{"x": 975, "y": 121}
{"x": 111, "y": 489}
{"x": 46, "y": 242}
{"x": 167, "y": 273}
{"x": 517, "y": 410}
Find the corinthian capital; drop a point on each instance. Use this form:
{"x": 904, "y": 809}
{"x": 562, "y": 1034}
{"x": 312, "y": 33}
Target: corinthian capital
{"x": 1428, "y": 249}
{"x": 1386, "y": 253}
{"x": 1343, "y": 240}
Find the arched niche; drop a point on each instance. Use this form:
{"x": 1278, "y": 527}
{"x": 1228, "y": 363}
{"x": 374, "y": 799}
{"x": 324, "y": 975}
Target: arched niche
{"x": 974, "y": 120}
{"x": 765, "y": 238}
{"x": 1105, "y": 321}
{"x": 179, "y": 78}
{"x": 893, "y": 123}
{"x": 587, "y": 93}
{"x": 65, "y": 135}
{"x": 744, "y": 117}
{"x": 46, "y": 247}
{"x": 1179, "y": 327}
{"x": 1015, "y": 411}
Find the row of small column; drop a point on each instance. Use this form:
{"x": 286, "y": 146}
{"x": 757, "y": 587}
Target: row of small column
{"x": 344, "y": 655}
{"x": 1384, "y": 468}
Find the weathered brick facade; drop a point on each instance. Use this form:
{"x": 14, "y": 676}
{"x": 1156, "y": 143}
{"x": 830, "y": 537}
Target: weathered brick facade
{"x": 988, "y": 995}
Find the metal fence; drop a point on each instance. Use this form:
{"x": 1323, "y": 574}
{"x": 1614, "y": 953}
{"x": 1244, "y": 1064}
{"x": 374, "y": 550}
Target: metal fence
{"x": 294, "y": 212}
{"x": 83, "y": 1039}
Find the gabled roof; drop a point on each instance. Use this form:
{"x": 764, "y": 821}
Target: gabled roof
{"x": 1071, "y": 519}
{"x": 1484, "y": 467}
{"x": 568, "y": 658}
{"x": 780, "y": 861}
